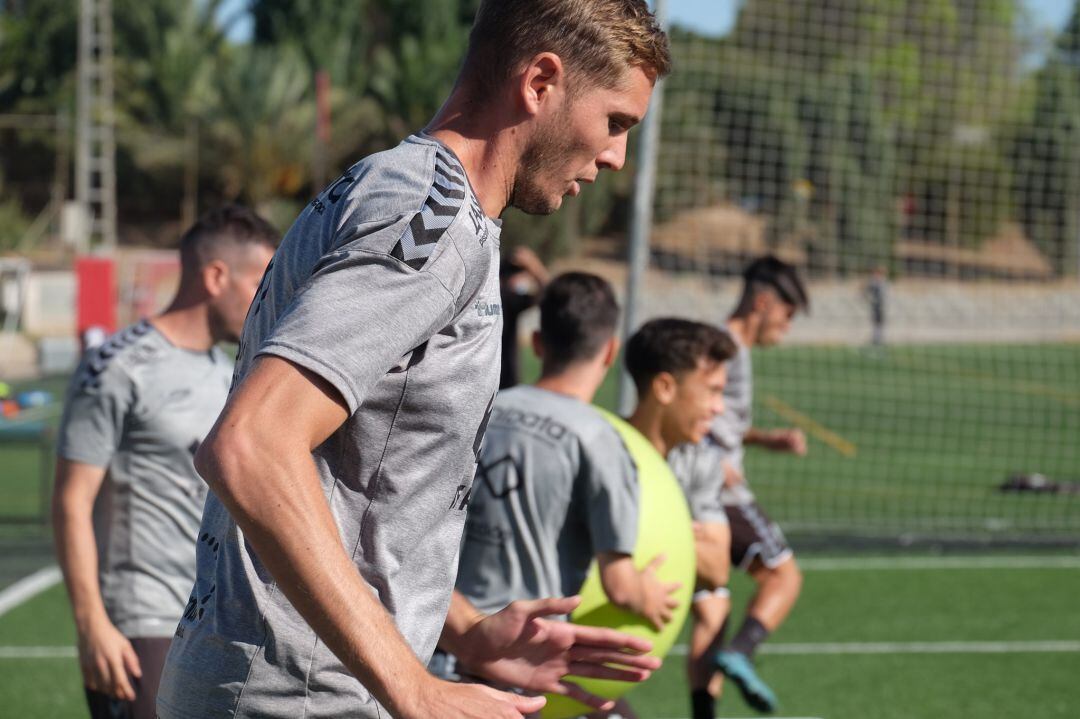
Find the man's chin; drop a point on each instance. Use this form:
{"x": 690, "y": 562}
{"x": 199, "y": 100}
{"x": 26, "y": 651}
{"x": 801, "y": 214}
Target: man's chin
{"x": 691, "y": 438}
{"x": 546, "y": 207}
{"x": 531, "y": 200}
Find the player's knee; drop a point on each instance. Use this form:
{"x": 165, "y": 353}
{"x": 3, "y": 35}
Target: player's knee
{"x": 792, "y": 575}
{"x": 722, "y": 573}
{"x": 709, "y": 622}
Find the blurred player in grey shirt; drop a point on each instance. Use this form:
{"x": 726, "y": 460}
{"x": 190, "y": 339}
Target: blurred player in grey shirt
{"x": 555, "y": 487}
{"x": 772, "y": 293}
{"x": 679, "y": 369}
{"x": 128, "y": 501}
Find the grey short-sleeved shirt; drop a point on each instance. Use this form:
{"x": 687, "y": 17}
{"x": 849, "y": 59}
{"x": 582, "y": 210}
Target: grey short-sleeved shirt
{"x": 138, "y": 406}
{"x": 387, "y": 287}
{"x": 555, "y": 486}
{"x": 700, "y": 471}
{"x": 730, "y": 427}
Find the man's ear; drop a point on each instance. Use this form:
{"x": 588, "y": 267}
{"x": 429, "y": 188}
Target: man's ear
{"x": 763, "y": 301}
{"x": 611, "y": 352}
{"x": 541, "y": 80}
{"x": 537, "y": 345}
{"x": 664, "y": 386}
{"x": 215, "y": 277}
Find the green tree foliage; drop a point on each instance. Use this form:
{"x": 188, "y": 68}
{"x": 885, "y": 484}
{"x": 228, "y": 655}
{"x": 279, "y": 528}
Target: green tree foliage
{"x": 824, "y": 115}
{"x": 37, "y": 53}
{"x": 859, "y": 102}
{"x": 1046, "y": 154}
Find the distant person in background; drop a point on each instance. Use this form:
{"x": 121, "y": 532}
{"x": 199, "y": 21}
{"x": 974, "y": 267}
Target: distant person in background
{"x": 128, "y": 502}
{"x": 521, "y": 279}
{"x": 875, "y": 293}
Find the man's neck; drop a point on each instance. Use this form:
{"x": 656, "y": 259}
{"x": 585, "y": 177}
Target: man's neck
{"x": 487, "y": 145}
{"x": 647, "y": 418}
{"x": 186, "y": 325}
{"x": 579, "y": 381}
{"x": 744, "y": 329}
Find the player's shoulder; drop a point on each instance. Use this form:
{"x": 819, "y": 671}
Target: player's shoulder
{"x": 558, "y": 413}
{"x": 121, "y": 358}
{"x": 531, "y": 410}
{"x": 391, "y": 182}
{"x": 419, "y": 194}
{"x": 705, "y": 455}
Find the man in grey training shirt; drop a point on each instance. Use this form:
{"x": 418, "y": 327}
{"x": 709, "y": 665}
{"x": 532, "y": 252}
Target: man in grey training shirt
{"x": 128, "y": 502}
{"x": 342, "y": 465}
{"x": 679, "y": 369}
{"x": 555, "y": 487}
{"x": 772, "y": 293}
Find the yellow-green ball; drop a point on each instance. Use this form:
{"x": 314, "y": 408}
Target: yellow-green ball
{"x": 663, "y": 528}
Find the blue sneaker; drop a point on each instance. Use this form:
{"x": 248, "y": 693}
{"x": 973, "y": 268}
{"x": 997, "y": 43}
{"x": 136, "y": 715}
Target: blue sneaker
{"x": 740, "y": 670}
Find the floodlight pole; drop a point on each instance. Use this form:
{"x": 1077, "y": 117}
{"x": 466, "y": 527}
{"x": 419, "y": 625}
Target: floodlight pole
{"x": 95, "y": 155}
{"x": 641, "y": 221}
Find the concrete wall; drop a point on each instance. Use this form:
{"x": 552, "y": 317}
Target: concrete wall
{"x": 917, "y": 311}
{"x": 50, "y": 303}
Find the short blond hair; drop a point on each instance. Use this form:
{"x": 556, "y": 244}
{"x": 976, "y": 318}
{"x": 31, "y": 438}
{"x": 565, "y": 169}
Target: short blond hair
{"x": 596, "y": 39}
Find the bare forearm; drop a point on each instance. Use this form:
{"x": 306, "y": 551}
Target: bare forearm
{"x": 623, "y": 584}
{"x": 757, "y": 436}
{"x": 779, "y": 440}
{"x": 286, "y": 519}
{"x": 76, "y": 552}
{"x": 462, "y": 617}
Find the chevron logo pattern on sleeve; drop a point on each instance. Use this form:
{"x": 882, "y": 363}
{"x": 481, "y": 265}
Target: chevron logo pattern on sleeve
{"x": 441, "y": 207}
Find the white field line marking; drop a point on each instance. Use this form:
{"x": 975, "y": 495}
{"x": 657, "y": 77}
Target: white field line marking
{"x": 38, "y": 652}
{"x": 814, "y": 649}
{"x": 841, "y": 564}
{"x": 29, "y": 587}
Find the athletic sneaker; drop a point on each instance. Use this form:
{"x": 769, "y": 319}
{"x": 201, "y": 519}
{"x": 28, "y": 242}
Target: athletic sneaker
{"x": 740, "y": 670}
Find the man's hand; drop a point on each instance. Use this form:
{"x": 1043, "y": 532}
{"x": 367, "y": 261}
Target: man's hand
{"x": 790, "y": 440}
{"x": 518, "y": 647}
{"x": 658, "y": 605}
{"x": 778, "y": 440}
{"x": 448, "y": 700}
{"x": 107, "y": 658}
